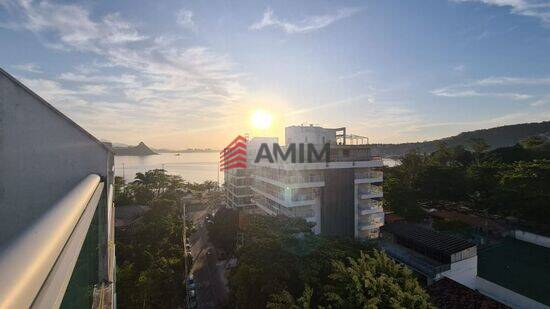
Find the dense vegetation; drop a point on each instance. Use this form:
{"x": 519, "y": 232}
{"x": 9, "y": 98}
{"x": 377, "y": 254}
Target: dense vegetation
{"x": 509, "y": 181}
{"x": 150, "y": 254}
{"x": 281, "y": 264}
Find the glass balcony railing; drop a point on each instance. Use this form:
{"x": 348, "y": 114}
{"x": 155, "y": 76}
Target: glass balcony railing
{"x": 370, "y": 205}
{"x": 370, "y": 190}
{"x": 370, "y": 221}
{"x": 368, "y": 174}
{"x": 292, "y": 179}
{"x": 304, "y": 197}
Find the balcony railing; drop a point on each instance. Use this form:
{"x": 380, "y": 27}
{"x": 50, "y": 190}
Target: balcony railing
{"x": 370, "y": 190}
{"x": 304, "y": 197}
{"x": 370, "y": 206}
{"x": 369, "y": 174}
{"x": 293, "y": 179}
{"x": 35, "y": 268}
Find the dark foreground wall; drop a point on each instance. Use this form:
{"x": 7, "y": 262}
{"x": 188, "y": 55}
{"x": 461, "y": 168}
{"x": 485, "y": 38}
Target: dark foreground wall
{"x": 43, "y": 155}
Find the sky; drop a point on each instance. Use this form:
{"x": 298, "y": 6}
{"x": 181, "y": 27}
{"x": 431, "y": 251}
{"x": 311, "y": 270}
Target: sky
{"x": 180, "y": 74}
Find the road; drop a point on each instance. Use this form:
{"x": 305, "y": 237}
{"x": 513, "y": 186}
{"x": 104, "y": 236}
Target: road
{"x": 207, "y": 270}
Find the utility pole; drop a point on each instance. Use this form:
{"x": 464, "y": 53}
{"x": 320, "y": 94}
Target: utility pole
{"x": 184, "y": 240}
{"x": 123, "y": 172}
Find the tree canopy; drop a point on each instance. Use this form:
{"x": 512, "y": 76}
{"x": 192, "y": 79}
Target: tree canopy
{"x": 281, "y": 264}
{"x": 506, "y": 181}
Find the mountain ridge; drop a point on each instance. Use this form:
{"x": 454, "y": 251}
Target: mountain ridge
{"x": 497, "y": 137}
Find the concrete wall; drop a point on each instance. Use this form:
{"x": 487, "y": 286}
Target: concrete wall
{"x": 506, "y": 296}
{"x": 43, "y": 155}
{"x": 463, "y": 272}
{"x": 309, "y": 134}
{"x": 531, "y": 238}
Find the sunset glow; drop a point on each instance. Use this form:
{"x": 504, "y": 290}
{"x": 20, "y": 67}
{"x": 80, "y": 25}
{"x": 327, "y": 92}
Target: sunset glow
{"x": 261, "y": 120}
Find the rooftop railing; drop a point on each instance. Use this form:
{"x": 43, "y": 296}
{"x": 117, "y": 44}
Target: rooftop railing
{"x": 36, "y": 267}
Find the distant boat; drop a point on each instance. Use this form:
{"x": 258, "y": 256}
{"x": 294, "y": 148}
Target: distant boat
{"x": 177, "y": 154}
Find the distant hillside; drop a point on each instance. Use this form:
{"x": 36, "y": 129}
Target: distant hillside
{"x": 188, "y": 150}
{"x": 496, "y": 137}
{"x": 140, "y": 150}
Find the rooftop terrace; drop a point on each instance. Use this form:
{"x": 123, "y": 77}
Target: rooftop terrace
{"x": 519, "y": 266}
{"x": 431, "y": 243}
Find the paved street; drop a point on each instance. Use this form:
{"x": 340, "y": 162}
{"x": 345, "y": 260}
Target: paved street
{"x": 207, "y": 271}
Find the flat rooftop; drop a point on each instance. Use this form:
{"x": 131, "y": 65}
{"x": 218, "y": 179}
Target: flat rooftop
{"x": 423, "y": 237}
{"x": 448, "y": 294}
{"x": 519, "y": 266}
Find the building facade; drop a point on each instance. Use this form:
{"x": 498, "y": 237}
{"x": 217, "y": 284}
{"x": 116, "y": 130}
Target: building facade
{"x": 56, "y": 211}
{"x": 341, "y": 195}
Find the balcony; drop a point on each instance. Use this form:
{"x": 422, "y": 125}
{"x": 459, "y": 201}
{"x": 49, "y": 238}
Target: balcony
{"x": 370, "y": 191}
{"x": 370, "y": 224}
{"x": 369, "y": 177}
{"x": 366, "y": 207}
{"x": 294, "y": 182}
{"x": 371, "y": 221}
{"x": 39, "y": 264}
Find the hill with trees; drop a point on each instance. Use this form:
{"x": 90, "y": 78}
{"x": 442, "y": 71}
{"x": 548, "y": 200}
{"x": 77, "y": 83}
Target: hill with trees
{"x": 495, "y": 137}
{"x": 507, "y": 182}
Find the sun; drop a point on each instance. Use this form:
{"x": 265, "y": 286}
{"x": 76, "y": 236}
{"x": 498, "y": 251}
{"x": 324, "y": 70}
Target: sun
{"x": 261, "y": 120}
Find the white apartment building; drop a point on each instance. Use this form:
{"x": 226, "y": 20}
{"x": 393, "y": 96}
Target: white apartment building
{"x": 342, "y": 196}
{"x": 238, "y": 180}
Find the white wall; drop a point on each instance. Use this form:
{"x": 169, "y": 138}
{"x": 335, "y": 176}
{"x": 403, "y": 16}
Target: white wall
{"x": 309, "y": 134}
{"x": 531, "y": 238}
{"x": 506, "y": 296}
{"x": 463, "y": 272}
{"x": 42, "y": 156}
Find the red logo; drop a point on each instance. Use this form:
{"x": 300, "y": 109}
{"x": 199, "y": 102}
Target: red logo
{"x": 234, "y": 154}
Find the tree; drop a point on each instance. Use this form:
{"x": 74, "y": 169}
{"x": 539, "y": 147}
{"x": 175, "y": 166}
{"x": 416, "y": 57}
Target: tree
{"x": 312, "y": 271}
{"x": 374, "y": 281}
{"x": 479, "y": 146}
{"x": 285, "y": 300}
{"x": 532, "y": 142}
{"x": 122, "y": 196}
{"x": 401, "y": 199}
{"x": 223, "y": 231}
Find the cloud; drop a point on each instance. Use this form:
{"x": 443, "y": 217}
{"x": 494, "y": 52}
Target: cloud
{"x": 307, "y": 24}
{"x": 72, "y": 24}
{"x": 28, "y": 67}
{"x": 499, "y": 85}
{"x": 459, "y": 68}
{"x": 541, "y": 102}
{"x": 47, "y": 89}
{"x": 145, "y": 84}
{"x": 362, "y": 97}
{"x": 531, "y": 8}
{"x": 354, "y": 75}
{"x": 452, "y": 93}
{"x": 508, "y": 81}
{"x": 184, "y": 18}
{"x": 120, "y": 79}
{"x": 506, "y": 119}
